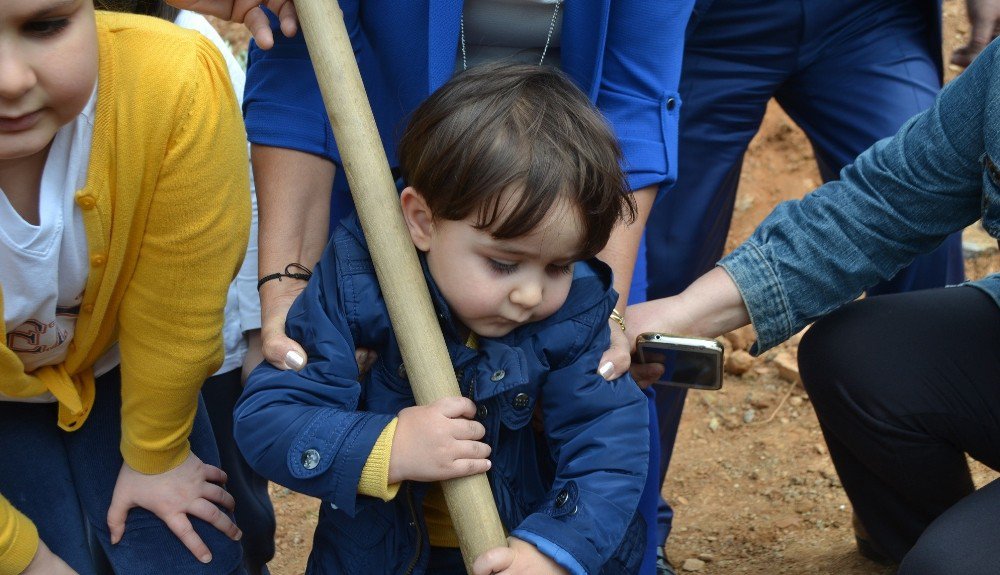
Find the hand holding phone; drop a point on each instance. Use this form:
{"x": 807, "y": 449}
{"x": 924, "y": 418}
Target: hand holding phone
{"x": 689, "y": 362}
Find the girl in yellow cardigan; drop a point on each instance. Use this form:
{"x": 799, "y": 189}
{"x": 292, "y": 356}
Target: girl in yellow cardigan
{"x": 124, "y": 213}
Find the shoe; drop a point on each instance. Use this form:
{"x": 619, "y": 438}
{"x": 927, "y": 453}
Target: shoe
{"x": 865, "y": 546}
{"x": 663, "y": 566}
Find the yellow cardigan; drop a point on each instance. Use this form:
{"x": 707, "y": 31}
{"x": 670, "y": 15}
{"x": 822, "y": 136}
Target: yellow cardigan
{"x": 167, "y": 214}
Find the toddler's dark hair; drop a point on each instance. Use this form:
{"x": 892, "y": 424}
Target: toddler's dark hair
{"x": 500, "y": 128}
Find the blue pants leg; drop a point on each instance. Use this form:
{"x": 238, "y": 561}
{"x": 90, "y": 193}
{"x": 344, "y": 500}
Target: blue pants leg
{"x": 738, "y": 56}
{"x": 64, "y": 481}
{"x": 37, "y": 480}
{"x": 848, "y": 94}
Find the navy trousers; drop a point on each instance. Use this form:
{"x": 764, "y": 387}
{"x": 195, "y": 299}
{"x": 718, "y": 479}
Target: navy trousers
{"x": 848, "y": 73}
{"x": 63, "y": 482}
{"x": 904, "y": 386}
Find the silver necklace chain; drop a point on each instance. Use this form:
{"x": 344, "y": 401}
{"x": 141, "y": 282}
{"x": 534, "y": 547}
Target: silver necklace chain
{"x": 545, "y": 49}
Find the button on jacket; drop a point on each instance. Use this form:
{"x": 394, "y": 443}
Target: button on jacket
{"x": 899, "y": 199}
{"x": 572, "y": 491}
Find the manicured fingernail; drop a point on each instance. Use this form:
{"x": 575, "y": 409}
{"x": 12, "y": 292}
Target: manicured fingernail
{"x": 239, "y": 535}
{"x": 206, "y": 558}
{"x": 294, "y": 360}
{"x": 606, "y": 369}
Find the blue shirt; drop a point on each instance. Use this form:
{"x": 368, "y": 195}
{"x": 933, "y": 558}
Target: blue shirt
{"x": 625, "y": 55}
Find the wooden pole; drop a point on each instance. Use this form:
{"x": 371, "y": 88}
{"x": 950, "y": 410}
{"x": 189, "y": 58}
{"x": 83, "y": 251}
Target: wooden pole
{"x": 428, "y": 365}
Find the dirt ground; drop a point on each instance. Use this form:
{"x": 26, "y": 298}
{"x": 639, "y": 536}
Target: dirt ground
{"x": 751, "y": 482}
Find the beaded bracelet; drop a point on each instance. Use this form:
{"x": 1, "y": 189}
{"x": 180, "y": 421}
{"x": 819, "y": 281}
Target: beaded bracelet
{"x": 305, "y": 274}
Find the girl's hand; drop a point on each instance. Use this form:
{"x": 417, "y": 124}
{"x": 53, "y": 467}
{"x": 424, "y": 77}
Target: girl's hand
{"x": 438, "y": 441}
{"x": 192, "y": 488}
{"x": 618, "y": 357}
{"x": 519, "y": 558}
{"x": 46, "y": 562}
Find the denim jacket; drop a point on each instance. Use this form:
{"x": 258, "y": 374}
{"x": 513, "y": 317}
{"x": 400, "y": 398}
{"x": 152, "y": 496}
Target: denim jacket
{"x": 573, "y": 492}
{"x": 900, "y": 198}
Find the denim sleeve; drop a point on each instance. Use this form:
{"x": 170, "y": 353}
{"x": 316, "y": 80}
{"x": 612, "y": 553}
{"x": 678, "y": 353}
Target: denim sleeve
{"x": 898, "y": 200}
{"x": 303, "y": 429}
{"x": 599, "y": 434}
{"x": 638, "y": 87}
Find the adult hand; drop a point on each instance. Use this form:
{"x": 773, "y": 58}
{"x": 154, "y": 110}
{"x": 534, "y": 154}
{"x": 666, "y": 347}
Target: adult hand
{"x": 617, "y": 358}
{"x": 438, "y": 441}
{"x": 984, "y": 17}
{"x": 46, "y": 562}
{"x": 653, "y": 316}
{"x": 520, "y": 557}
{"x": 276, "y": 297}
{"x": 192, "y": 488}
{"x": 249, "y": 13}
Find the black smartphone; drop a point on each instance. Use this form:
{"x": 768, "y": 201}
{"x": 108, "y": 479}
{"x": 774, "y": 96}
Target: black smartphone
{"x": 691, "y": 362}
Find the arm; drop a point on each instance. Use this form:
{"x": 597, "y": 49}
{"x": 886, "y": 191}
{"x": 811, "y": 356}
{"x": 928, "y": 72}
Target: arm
{"x": 899, "y": 199}
{"x": 294, "y": 198}
{"x": 620, "y": 254}
{"x": 638, "y": 95}
{"x": 170, "y": 314}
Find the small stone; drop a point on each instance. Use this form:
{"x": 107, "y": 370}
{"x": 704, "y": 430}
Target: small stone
{"x": 820, "y": 448}
{"x": 795, "y": 401}
{"x": 713, "y": 424}
{"x": 786, "y": 522}
{"x": 788, "y": 367}
{"x": 682, "y": 500}
{"x": 692, "y": 564}
{"x": 749, "y": 415}
{"x": 706, "y": 557}
{"x": 738, "y": 362}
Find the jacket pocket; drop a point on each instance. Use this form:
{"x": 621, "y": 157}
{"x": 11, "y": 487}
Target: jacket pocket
{"x": 516, "y": 407}
{"x": 991, "y": 196}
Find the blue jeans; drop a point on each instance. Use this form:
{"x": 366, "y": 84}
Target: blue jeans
{"x": 64, "y": 481}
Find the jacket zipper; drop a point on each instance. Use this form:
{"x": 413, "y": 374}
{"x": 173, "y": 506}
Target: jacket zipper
{"x": 416, "y": 525}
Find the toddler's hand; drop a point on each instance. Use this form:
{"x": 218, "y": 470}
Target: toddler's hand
{"x": 46, "y": 562}
{"x": 192, "y": 488}
{"x": 519, "y": 558}
{"x": 438, "y": 441}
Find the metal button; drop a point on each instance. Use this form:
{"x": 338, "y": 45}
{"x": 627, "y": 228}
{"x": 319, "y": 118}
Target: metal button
{"x": 562, "y": 498}
{"x": 498, "y": 375}
{"x": 401, "y": 371}
{"x": 310, "y": 458}
{"x": 671, "y": 104}
{"x": 482, "y": 412}
{"x": 520, "y": 401}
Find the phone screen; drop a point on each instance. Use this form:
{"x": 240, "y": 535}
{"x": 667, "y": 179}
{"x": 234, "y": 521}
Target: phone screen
{"x": 685, "y": 368}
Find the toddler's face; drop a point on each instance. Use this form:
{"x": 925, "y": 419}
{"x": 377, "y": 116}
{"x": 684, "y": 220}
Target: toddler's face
{"x": 48, "y": 67}
{"x": 493, "y": 286}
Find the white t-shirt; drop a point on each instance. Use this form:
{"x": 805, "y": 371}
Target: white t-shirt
{"x": 45, "y": 266}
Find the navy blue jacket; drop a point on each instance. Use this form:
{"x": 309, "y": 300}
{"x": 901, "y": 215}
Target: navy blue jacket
{"x": 572, "y": 492}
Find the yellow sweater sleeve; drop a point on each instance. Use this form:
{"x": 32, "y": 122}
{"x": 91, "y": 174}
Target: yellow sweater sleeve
{"x": 18, "y": 539}
{"x": 375, "y": 474}
{"x": 192, "y": 245}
